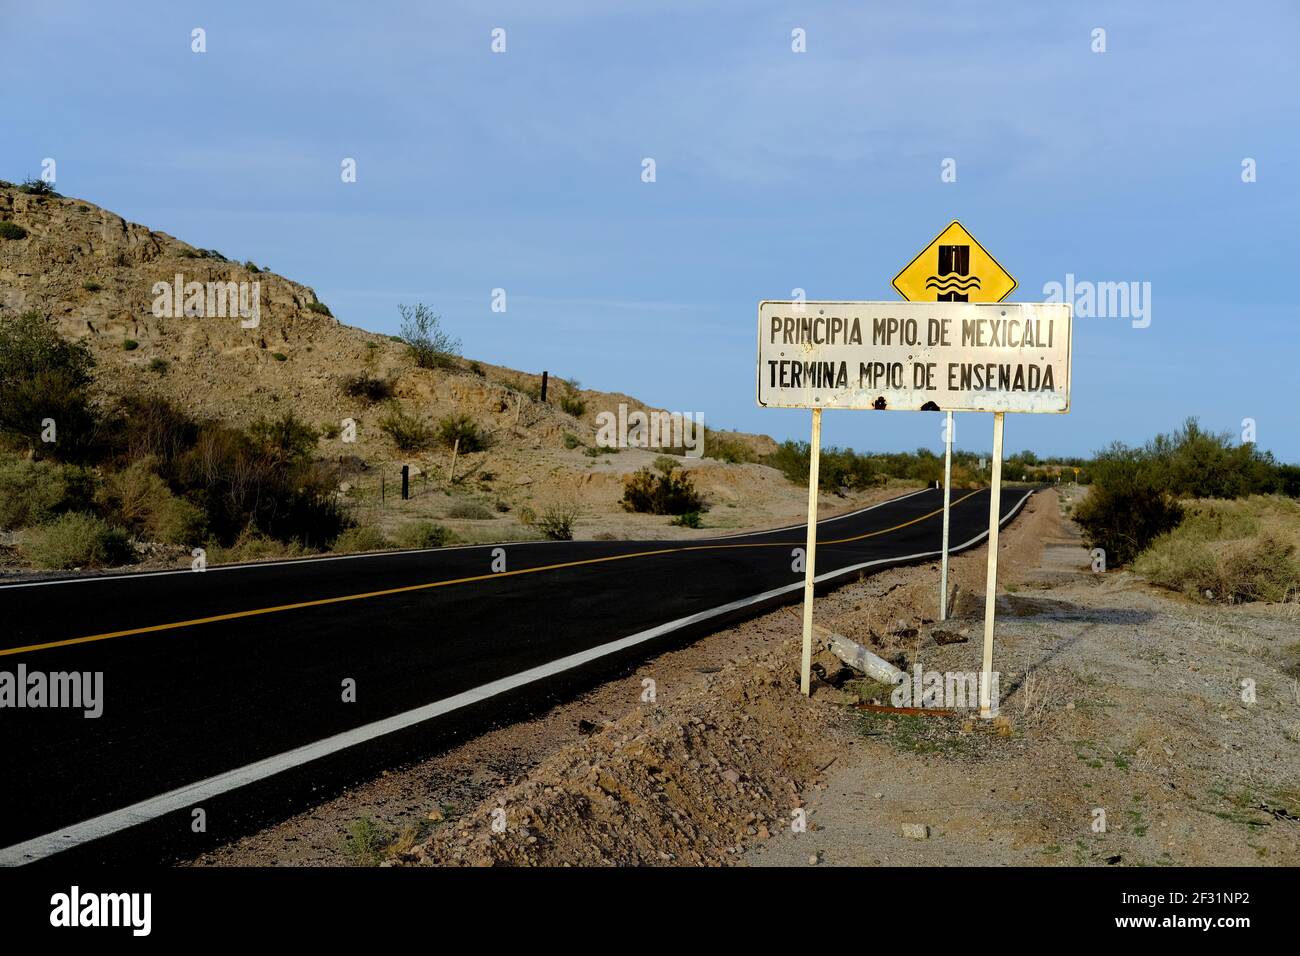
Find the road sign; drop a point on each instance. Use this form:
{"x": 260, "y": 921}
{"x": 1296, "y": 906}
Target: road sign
{"x": 915, "y": 356}
{"x": 954, "y": 268}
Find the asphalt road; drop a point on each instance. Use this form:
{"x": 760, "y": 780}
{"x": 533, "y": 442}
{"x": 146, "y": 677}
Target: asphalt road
{"x": 221, "y": 682}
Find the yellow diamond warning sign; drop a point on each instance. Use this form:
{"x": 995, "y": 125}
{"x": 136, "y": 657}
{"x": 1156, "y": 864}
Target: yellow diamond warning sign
{"x": 954, "y": 268}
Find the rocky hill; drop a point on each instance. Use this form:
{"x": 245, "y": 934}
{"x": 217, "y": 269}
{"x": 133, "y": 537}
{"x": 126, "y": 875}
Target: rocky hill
{"x": 97, "y": 276}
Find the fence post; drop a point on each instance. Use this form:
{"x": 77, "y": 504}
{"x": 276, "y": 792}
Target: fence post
{"x": 406, "y": 482}
{"x": 451, "y": 472}
{"x": 544, "y": 374}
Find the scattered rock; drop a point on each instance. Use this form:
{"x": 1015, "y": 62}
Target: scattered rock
{"x": 916, "y": 831}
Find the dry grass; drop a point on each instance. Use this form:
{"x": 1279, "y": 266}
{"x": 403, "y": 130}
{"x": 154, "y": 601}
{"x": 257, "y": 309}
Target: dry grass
{"x": 1234, "y": 551}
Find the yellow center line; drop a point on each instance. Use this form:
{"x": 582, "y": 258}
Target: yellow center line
{"x": 493, "y": 576}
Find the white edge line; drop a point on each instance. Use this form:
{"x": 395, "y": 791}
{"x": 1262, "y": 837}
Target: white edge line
{"x": 190, "y": 794}
{"x": 300, "y": 562}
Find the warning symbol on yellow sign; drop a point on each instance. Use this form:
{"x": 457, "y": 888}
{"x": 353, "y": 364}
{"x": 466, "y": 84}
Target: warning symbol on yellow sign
{"x": 954, "y": 268}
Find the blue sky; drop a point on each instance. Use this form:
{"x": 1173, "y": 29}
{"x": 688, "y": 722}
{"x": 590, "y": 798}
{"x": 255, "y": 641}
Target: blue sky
{"x": 775, "y": 170}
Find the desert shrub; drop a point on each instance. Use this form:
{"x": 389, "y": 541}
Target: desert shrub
{"x": 42, "y": 376}
{"x": 668, "y": 493}
{"x": 1237, "y": 551}
{"x": 461, "y": 428}
{"x": 251, "y": 545}
{"x": 360, "y": 538}
{"x": 130, "y": 345}
{"x": 35, "y": 492}
{"x": 1127, "y": 508}
{"x": 367, "y": 841}
{"x": 573, "y": 405}
{"x": 137, "y": 499}
{"x": 469, "y": 509}
{"x": 320, "y": 308}
{"x": 557, "y": 520}
{"x": 11, "y": 230}
{"x": 279, "y": 356}
{"x": 527, "y": 516}
{"x": 91, "y": 286}
{"x": 724, "y": 448}
{"x": 158, "y": 366}
{"x": 407, "y": 432}
{"x": 665, "y": 464}
{"x": 148, "y": 426}
{"x": 428, "y": 343}
{"x": 76, "y": 540}
{"x": 690, "y": 519}
{"x": 367, "y": 387}
{"x": 284, "y": 440}
{"x": 571, "y": 440}
{"x": 240, "y": 482}
{"x": 423, "y": 534}
{"x": 476, "y": 369}
{"x": 38, "y": 187}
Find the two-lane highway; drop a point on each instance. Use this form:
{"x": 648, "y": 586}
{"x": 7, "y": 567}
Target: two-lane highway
{"x": 218, "y": 680}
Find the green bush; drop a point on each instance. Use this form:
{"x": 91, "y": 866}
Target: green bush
{"x": 320, "y": 308}
{"x": 91, "y": 286}
{"x": 158, "y": 366}
{"x": 689, "y": 520}
{"x": 279, "y": 356}
{"x": 38, "y": 187}
{"x": 422, "y": 333}
{"x": 670, "y": 493}
{"x": 367, "y": 387}
{"x": 838, "y": 468}
{"x": 469, "y": 509}
{"x": 557, "y": 520}
{"x": 461, "y": 428}
{"x": 573, "y": 405}
{"x": 11, "y": 230}
{"x": 1234, "y": 550}
{"x": 571, "y": 440}
{"x": 1127, "y": 507}
{"x": 407, "y": 432}
{"x": 724, "y": 448}
{"x": 35, "y": 492}
{"x": 140, "y": 501}
{"x": 361, "y": 538}
{"x": 43, "y": 376}
{"x": 76, "y": 540}
{"x": 423, "y": 534}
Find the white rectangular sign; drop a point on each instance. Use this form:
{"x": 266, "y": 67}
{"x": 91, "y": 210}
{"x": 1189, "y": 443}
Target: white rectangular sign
{"x": 915, "y": 356}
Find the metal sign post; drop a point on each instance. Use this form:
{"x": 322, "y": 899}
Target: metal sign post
{"x": 947, "y": 506}
{"x": 810, "y": 552}
{"x": 991, "y": 580}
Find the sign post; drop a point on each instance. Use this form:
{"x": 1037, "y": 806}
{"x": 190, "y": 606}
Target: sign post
{"x": 810, "y": 552}
{"x": 957, "y": 356}
{"x": 947, "y": 505}
{"x": 991, "y": 578}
